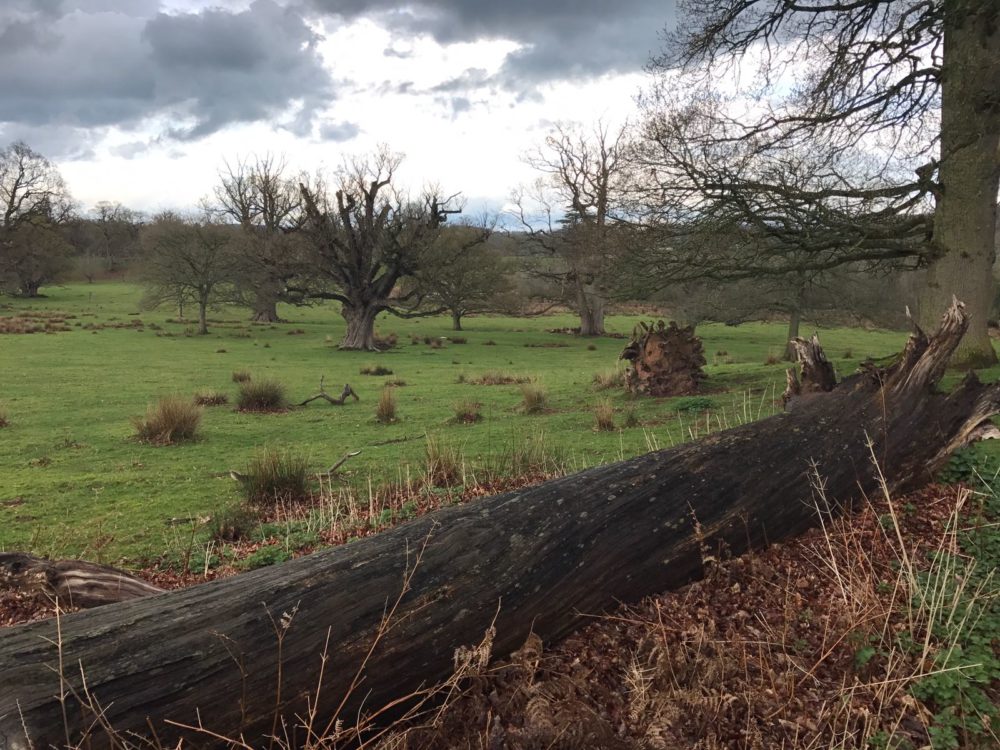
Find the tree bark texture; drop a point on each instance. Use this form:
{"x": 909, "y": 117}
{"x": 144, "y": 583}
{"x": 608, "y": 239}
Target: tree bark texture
{"x": 539, "y": 559}
{"x": 456, "y": 320}
{"x": 794, "y": 321}
{"x": 265, "y": 309}
{"x": 965, "y": 215}
{"x": 360, "y": 333}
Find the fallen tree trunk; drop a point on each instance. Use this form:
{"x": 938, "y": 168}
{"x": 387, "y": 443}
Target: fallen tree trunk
{"x": 537, "y": 559}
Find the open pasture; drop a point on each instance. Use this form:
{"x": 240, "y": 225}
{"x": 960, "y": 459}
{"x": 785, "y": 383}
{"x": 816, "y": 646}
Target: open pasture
{"x": 75, "y": 482}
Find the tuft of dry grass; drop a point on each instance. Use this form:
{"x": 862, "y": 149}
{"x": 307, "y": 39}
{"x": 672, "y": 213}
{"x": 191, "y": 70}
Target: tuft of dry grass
{"x": 373, "y": 369}
{"x": 172, "y": 419}
{"x": 443, "y": 466}
{"x": 386, "y": 342}
{"x": 261, "y": 396}
{"x": 534, "y": 399}
{"x": 275, "y": 477}
{"x": 467, "y": 411}
{"x": 241, "y": 376}
{"x": 496, "y": 377}
{"x": 772, "y": 359}
{"x": 4, "y": 421}
{"x": 604, "y": 416}
{"x": 385, "y": 410}
{"x": 458, "y": 339}
{"x": 211, "y": 398}
{"x": 610, "y": 378}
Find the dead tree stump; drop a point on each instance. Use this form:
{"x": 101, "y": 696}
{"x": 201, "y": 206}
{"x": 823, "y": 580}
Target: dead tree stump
{"x": 666, "y": 360}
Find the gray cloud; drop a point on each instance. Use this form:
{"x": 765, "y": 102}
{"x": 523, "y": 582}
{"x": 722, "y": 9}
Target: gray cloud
{"x": 338, "y": 131}
{"x": 562, "y": 39}
{"x": 96, "y": 63}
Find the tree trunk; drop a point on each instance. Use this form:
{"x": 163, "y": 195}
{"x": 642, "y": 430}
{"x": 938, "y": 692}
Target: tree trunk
{"x": 591, "y": 308}
{"x": 456, "y": 320}
{"x": 360, "y": 332}
{"x": 30, "y": 288}
{"x": 965, "y": 215}
{"x": 203, "y": 318}
{"x": 265, "y": 310}
{"x": 794, "y": 320}
{"x": 540, "y": 559}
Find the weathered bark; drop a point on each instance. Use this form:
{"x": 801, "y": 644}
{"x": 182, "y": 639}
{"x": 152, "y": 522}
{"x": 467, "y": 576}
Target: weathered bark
{"x": 71, "y": 583}
{"x": 538, "y": 559}
{"x": 360, "y": 333}
{"x": 965, "y": 215}
{"x": 664, "y": 360}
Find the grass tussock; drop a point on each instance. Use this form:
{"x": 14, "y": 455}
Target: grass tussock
{"x": 467, "y": 411}
{"x": 261, "y": 396}
{"x": 372, "y": 369}
{"x": 394, "y": 383}
{"x": 443, "y": 464}
{"x": 172, "y": 419}
{"x": 534, "y": 399}
{"x": 233, "y": 524}
{"x": 458, "y": 339}
{"x": 211, "y": 398}
{"x": 496, "y": 377}
{"x": 604, "y": 416}
{"x": 385, "y": 410}
{"x": 241, "y": 376}
{"x": 386, "y": 342}
{"x": 608, "y": 379}
{"x": 275, "y": 477}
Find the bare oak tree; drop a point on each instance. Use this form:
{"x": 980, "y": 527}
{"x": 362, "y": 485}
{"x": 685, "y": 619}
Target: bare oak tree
{"x": 265, "y": 201}
{"x": 464, "y": 272}
{"x": 570, "y": 214}
{"x": 367, "y": 238}
{"x": 188, "y": 261}
{"x": 34, "y": 204}
{"x": 864, "y": 131}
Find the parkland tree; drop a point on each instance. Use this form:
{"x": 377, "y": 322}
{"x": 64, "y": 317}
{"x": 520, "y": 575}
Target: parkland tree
{"x": 34, "y": 206}
{"x": 863, "y": 132}
{"x": 264, "y": 200}
{"x": 367, "y": 238}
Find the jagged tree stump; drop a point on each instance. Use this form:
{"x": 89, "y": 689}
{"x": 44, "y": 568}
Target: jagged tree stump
{"x": 665, "y": 360}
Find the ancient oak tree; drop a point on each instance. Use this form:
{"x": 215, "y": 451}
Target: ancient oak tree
{"x": 366, "y": 238}
{"x": 570, "y": 215}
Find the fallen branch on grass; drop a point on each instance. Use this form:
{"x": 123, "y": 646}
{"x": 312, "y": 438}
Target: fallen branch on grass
{"x": 344, "y": 395}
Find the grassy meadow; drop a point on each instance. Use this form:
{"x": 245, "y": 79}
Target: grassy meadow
{"x": 76, "y": 483}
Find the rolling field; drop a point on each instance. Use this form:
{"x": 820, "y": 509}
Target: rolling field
{"x": 74, "y": 481}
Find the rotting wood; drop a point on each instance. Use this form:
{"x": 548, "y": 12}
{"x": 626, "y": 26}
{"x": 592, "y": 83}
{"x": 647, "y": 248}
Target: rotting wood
{"x": 71, "y": 583}
{"x": 549, "y": 556}
{"x": 818, "y": 375}
{"x": 665, "y": 360}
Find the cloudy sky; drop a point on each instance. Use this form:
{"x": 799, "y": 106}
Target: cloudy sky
{"x": 140, "y": 101}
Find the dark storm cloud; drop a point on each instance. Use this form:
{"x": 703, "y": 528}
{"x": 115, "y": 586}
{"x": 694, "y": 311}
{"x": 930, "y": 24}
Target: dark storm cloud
{"x": 95, "y": 63}
{"x": 562, "y": 39}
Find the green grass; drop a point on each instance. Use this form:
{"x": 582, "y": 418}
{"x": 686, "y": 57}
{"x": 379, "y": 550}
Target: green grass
{"x": 74, "y": 480}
